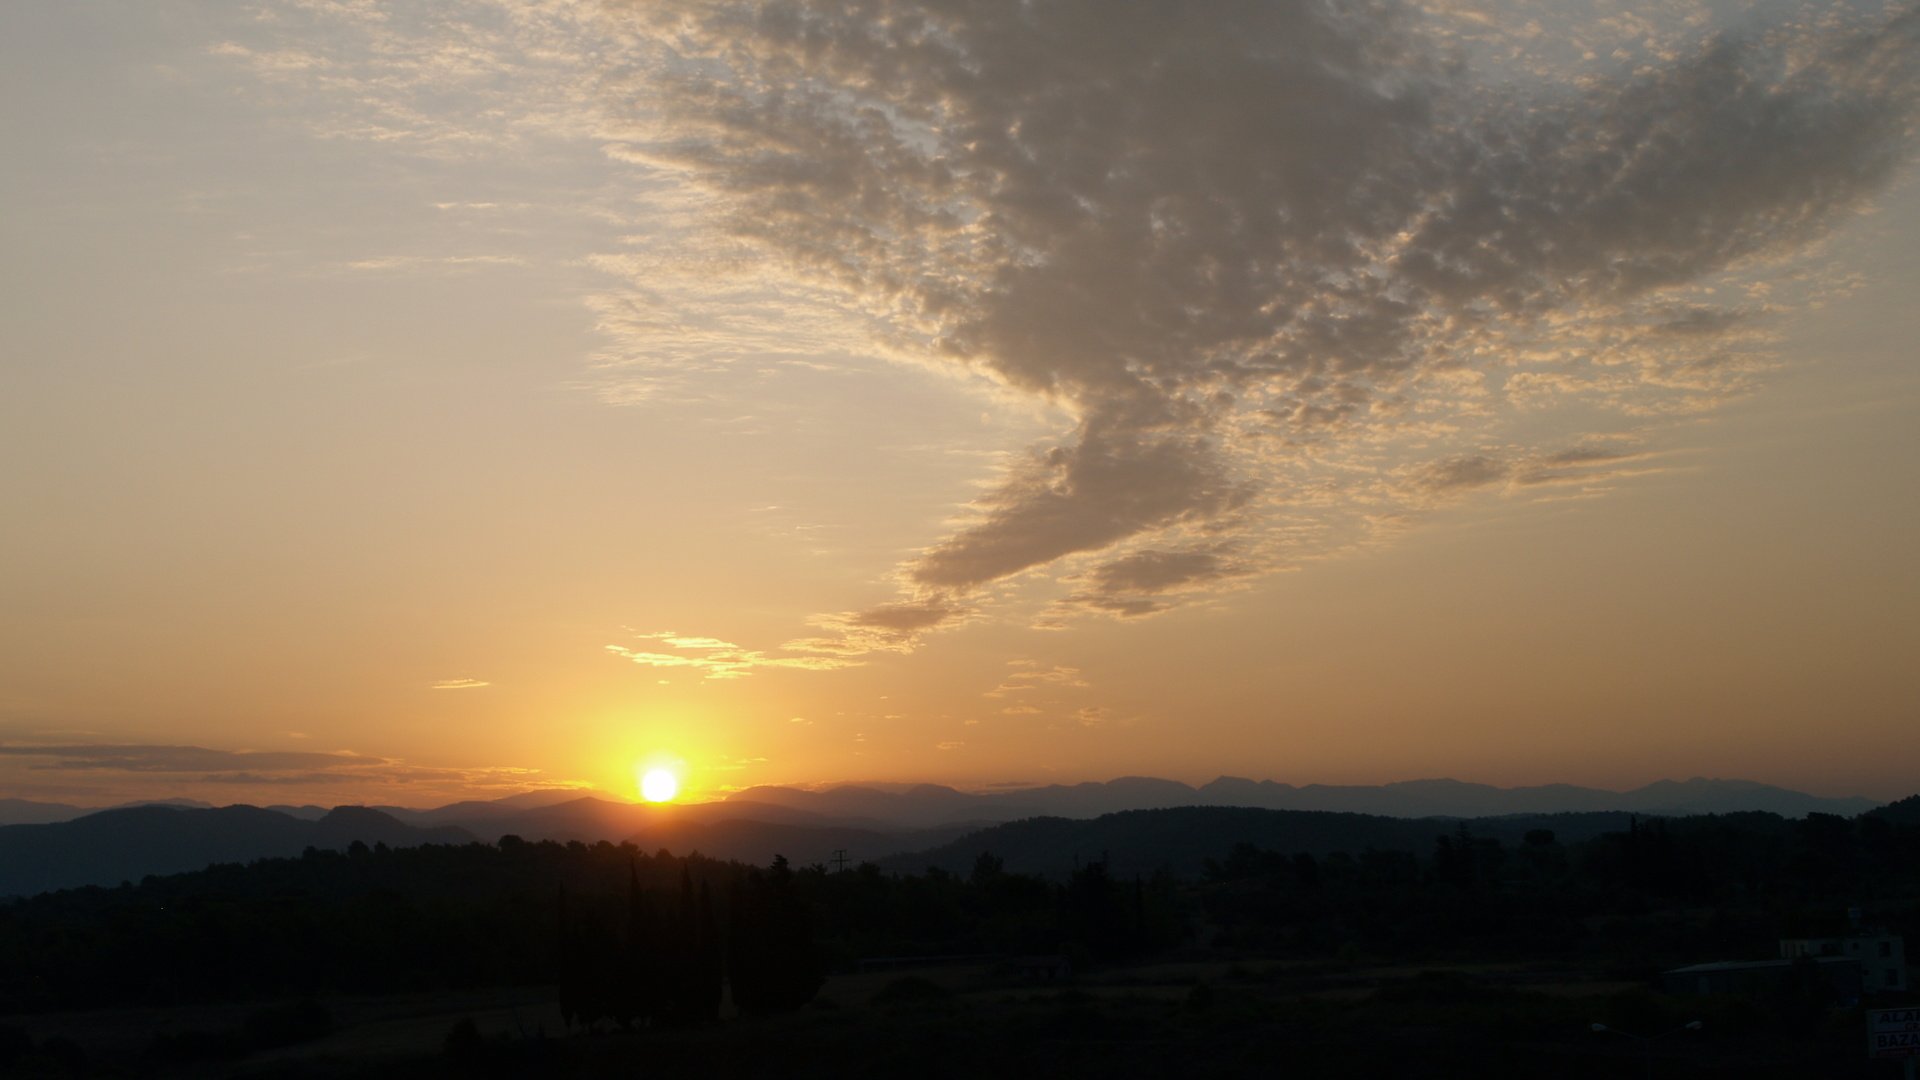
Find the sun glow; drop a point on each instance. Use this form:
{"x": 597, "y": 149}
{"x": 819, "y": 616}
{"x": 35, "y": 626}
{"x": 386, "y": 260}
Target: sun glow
{"x": 659, "y": 785}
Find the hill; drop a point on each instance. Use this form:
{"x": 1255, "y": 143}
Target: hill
{"x": 28, "y": 812}
{"x": 112, "y": 846}
{"x": 931, "y": 804}
{"x": 1055, "y": 824}
{"x": 1182, "y": 839}
{"x": 1902, "y": 812}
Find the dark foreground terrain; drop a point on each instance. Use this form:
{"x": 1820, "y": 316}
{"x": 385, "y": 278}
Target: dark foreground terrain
{"x": 1151, "y": 1020}
{"x": 1475, "y": 956}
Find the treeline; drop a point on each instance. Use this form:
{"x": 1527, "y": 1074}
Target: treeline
{"x": 667, "y": 967}
{"x": 369, "y": 920}
{"x": 629, "y": 937}
{"x": 1661, "y": 893}
{"x": 632, "y": 937}
{"x": 1093, "y": 916}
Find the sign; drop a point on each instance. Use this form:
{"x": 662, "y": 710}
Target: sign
{"x": 1893, "y": 1033}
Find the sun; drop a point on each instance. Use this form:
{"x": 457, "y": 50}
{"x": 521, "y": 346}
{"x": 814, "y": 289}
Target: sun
{"x": 659, "y": 785}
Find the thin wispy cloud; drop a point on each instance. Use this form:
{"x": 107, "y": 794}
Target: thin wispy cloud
{"x": 713, "y": 658}
{"x": 1028, "y": 676}
{"x": 1092, "y": 716}
{"x": 339, "y": 769}
{"x": 418, "y": 264}
{"x": 460, "y": 684}
{"x": 180, "y": 759}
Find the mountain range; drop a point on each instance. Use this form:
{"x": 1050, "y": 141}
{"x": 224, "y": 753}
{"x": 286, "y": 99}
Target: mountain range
{"x": 892, "y": 807}
{"x": 928, "y": 804}
{"x": 128, "y": 843}
{"x": 1136, "y": 843}
{"x": 47, "y": 846}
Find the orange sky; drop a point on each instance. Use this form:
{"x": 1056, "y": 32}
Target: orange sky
{"x": 401, "y": 409}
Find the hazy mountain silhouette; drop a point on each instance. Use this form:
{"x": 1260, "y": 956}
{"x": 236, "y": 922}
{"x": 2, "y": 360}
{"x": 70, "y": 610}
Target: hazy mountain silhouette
{"x": 1702, "y": 796}
{"x": 917, "y": 806}
{"x": 885, "y": 807}
{"x": 177, "y": 803}
{"x": 476, "y": 811}
{"x": 51, "y": 845}
{"x": 112, "y": 846}
{"x": 27, "y": 812}
{"x": 750, "y": 832}
{"x": 927, "y": 805}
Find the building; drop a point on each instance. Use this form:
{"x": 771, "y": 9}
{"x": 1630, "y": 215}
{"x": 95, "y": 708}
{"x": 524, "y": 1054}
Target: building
{"x": 1882, "y": 956}
{"x": 1764, "y": 978}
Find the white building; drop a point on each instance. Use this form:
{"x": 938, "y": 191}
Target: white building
{"x": 1882, "y": 956}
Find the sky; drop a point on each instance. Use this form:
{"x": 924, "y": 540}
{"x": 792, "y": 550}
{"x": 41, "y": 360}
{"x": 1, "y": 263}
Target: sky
{"x": 409, "y": 402}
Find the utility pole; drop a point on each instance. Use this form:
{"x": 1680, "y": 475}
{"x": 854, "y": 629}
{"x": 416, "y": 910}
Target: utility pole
{"x": 839, "y": 860}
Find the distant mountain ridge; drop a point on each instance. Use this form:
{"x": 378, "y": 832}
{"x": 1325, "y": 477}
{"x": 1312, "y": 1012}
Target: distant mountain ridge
{"x": 929, "y": 804}
{"x": 27, "y": 812}
{"x": 105, "y": 847}
{"x": 127, "y": 844}
{"x": 913, "y": 806}
{"x": 1183, "y": 839}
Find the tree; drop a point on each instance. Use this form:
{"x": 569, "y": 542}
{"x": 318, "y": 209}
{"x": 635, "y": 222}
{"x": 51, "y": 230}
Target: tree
{"x": 692, "y": 987}
{"x": 771, "y": 961}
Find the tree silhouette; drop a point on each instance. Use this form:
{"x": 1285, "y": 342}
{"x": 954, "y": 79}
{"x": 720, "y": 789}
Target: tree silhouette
{"x": 644, "y": 988}
{"x": 771, "y": 962}
{"x": 692, "y": 987}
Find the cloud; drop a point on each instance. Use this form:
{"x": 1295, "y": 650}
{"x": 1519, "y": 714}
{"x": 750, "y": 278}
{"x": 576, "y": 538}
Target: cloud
{"x": 1150, "y": 580}
{"x": 1112, "y": 485}
{"x": 459, "y": 684}
{"x": 1254, "y": 250}
{"x": 1291, "y": 274}
{"x": 1158, "y": 571}
{"x": 414, "y": 265}
{"x": 904, "y": 618}
{"x": 1584, "y": 465}
{"x": 1092, "y": 716}
{"x": 717, "y": 659}
{"x": 1590, "y": 463}
{"x": 343, "y": 770}
{"x": 145, "y": 758}
{"x": 1454, "y": 474}
{"x": 280, "y": 62}
{"x": 1028, "y": 675}
{"x": 891, "y": 627}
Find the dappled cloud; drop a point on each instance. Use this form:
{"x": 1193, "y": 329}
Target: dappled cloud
{"x": 1289, "y": 274}
{"x": 1273, "y": 260}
